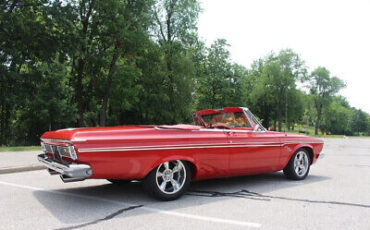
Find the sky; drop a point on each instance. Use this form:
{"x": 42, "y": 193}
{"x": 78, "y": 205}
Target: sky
{"x": 332, "y": 34}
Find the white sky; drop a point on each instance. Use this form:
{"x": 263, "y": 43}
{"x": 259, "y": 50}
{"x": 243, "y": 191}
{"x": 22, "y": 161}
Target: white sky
{"x": 333, "y": 34}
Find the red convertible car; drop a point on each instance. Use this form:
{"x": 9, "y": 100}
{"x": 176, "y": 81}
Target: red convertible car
{"x": 221, "y": 143}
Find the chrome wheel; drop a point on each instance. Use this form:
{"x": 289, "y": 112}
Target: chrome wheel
{"x": 301, "y": 163}
{"x": 170, "y": 176}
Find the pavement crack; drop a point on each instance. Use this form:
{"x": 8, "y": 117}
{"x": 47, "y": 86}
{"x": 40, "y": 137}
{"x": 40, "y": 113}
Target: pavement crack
{"x": 108, "y": 217}
{"x": 257, "y": 196}
{"x": 240, "y": 194}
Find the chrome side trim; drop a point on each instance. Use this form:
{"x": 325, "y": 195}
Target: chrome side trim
{"x": 302, "y": 142}
{"x": 190, "y": 146}
{"x": 78, "y": 171}
{"x": 143, "y": 148}
{"x": 64, "y": 140}
{"x": 159, "y": 128}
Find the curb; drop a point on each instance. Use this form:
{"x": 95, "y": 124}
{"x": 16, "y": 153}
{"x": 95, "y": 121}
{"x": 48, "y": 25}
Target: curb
{"x": 21, "y": 169}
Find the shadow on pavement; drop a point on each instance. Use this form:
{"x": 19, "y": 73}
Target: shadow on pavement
{"x": 86, "y": 204}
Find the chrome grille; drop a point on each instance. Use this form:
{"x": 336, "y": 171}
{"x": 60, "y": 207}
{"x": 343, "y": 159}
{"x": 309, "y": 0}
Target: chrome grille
{"x": 56, "y": 153}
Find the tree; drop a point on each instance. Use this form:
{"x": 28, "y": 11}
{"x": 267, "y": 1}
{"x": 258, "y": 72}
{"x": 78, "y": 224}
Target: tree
{"x": 32, "y": 33}
{"x": 258, "y": 97}
{"x": 359, "y": 121}
{"x": 336, "y": 117}
{"x": 121, "y": 28}
{"x": 175, "y": 29}
{"x": 216, "y": 71}
{"x": 323, "y": 88}
{"x": 277, "y": 77}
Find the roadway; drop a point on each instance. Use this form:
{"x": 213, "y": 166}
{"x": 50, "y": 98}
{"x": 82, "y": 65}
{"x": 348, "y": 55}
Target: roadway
{"x": 336, "y": 195}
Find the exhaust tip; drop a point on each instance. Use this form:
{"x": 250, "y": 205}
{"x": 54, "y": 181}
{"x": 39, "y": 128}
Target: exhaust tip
{"x": 67, "y": 179}
{"x": 52, "y": 172}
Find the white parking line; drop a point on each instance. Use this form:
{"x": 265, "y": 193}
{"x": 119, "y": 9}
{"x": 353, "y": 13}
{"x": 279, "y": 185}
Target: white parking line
{"x": 157, "y": 210}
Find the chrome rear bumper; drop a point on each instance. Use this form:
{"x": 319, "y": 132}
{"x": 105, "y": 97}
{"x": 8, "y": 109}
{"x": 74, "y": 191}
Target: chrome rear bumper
{"x": 68, "y": 173}
{"x": 321, "y": 155}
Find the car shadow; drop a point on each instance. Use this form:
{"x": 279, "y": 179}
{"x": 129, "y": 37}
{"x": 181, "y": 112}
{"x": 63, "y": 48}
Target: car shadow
{"x": 86, "y": 204}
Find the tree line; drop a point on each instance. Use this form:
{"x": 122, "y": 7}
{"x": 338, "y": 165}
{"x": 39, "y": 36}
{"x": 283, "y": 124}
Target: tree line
{"x": 114, "y": 62}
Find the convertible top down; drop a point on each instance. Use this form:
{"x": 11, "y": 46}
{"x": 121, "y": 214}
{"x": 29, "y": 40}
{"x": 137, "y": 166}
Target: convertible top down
{"x": 221, "y": 143}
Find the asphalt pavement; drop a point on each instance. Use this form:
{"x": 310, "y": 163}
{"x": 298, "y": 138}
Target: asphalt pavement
{"x": 336, "y": 195}
{"x": 19, "y": 161}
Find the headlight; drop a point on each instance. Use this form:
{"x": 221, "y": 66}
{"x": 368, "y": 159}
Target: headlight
{"x": 68, "y": 151}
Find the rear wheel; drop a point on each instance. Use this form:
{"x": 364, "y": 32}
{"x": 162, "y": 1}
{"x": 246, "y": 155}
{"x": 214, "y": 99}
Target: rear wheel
{"x": 169, "y": 180}
{"x": 298, "y": 166}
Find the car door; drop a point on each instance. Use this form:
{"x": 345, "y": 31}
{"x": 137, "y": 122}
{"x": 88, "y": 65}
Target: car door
{"x": 212, "y": 153}
{"x": 253, "y": 152}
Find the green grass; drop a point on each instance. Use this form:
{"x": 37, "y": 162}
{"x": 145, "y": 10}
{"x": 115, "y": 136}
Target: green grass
{"x": 19, "y": 148}
{"x": 311, "y": 132}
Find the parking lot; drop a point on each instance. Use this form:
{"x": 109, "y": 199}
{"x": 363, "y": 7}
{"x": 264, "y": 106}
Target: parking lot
{"x": 335, "y": 195}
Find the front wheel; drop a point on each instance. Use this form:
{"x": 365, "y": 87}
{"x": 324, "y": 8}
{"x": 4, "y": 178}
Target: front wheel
{"x": 169, "y": 180}
{"x": 298, "y": 166}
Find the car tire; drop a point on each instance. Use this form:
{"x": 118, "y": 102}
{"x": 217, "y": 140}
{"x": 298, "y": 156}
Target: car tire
{"x": 118, "y": 182}
{"x": 298, "y": 166}
{"x": 169, "y": 180}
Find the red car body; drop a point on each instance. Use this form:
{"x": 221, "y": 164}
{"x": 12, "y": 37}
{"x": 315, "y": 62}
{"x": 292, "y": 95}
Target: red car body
{"x": 132, "y": 152}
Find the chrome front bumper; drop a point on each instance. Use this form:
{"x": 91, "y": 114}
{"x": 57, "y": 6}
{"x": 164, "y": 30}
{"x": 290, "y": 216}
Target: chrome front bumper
{"x": 68, "y": 173}
{"x": 321, "y": 155}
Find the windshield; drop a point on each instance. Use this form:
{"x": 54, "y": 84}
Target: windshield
{"x": 229, "y": 118}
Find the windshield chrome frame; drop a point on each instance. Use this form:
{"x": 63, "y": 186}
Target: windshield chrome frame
{"x": 255, "y": 120}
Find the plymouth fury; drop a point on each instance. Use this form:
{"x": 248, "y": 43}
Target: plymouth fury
{"x": 166, "y": 158}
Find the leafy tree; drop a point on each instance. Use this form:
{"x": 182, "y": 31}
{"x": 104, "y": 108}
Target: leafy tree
{"x": 277, "y": 76}
{"x": 257, "y": 96}
{"x": 32, "y": 32}
{"x": 359, "y": 121}
{"x": 220, "y": 82}
{"x": 175, "y": 28}
{"x": 217, "y": 71}
{"x": 295, "y": 101}
{"x": 70, "y": 63}
{"x": 336, "y": 117}
{"x": 122, "y": 33}
{"x": 323, "y": 88}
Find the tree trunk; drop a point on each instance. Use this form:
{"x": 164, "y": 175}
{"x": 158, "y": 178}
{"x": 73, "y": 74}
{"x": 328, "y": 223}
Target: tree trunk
{"x": 265, "y": 123}
{"x": 6, "y": 124}
{"x": 317, "y": 125}
{"x": 112, "y": 69}
{"x": 318, "y": 119}
{"x": 169, "y": 59}
{"x": 279, "y": 117}
{"x": 266, "y": 120}
{"x": 2, "y": 120}
{"x": 81, "y": 65}
{"x": 79, "y": 94}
